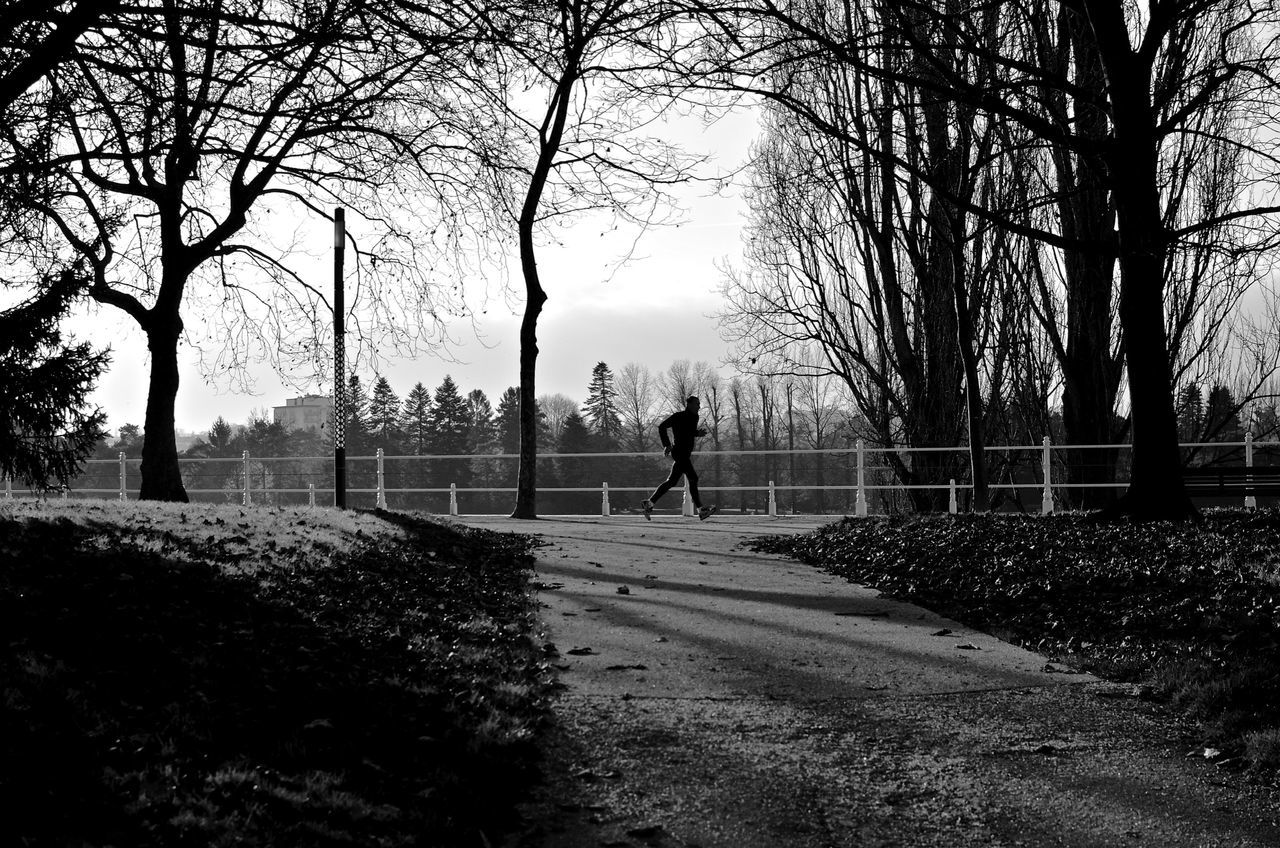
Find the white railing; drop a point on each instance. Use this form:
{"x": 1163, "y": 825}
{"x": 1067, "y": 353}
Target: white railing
{"x": 1040, "y": 469}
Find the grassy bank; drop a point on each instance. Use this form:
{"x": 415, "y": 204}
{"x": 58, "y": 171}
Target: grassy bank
{"x": 206, "y": 676}
{"x": 1191, "y": 610}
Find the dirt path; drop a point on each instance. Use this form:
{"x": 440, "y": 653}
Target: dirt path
{"x": 728, "y": 698}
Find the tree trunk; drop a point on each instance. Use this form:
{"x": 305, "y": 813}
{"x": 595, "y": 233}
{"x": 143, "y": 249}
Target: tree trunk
{"x": 1091, "y": 372}
{"x": 1155, "y": 489}
{"x": 161, "y": 475}
{"x": 535, "y": 297}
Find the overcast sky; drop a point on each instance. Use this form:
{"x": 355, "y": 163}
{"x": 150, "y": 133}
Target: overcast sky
{"x": 654, "y": 310}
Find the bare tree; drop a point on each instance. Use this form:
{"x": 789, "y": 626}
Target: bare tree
{"x": 556, "y": 408}
{"x": 1146, "y": 110}
{"x": 206, "y": 118}
{"x": 577, "y": 83}
{"x": 636, "y": 397}
{"x": 891, "y": 279}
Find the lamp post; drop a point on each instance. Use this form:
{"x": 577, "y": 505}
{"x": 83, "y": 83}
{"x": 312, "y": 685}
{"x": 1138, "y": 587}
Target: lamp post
{"x": 339, "y": 367}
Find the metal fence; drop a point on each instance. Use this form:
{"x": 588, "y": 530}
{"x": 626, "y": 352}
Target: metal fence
{"x": 854, "y": 480}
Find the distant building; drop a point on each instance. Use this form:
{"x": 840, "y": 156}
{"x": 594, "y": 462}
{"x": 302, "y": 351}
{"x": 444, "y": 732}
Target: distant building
{"x": 309, "y": 412}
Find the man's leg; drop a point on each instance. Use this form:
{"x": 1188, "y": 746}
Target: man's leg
{"x": 691, "y": 477}
{"x": 665, "y": 485}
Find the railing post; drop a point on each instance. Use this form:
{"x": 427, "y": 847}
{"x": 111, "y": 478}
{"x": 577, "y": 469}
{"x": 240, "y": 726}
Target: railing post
{"x": 1250, "y": 502}
{"x": 860, "y": 505}
{"x": 773, "y": 502}
{"x": 311, "y": 494}
{"x": 1046, "y": 494}
{"x": 686, "y": 505}
{"x": 953, "y": 506}
{"x": 8, "y": 488}
{"x": 604, "y": 500}
{"x": 124, "y": 496}
{"x": 382, "y": 486}
{"x": 247, "y": 500}
{"x": 453, "y": 498}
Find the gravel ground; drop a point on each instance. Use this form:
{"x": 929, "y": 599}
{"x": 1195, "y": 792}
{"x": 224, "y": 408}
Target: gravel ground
{"x": 719, "y": 697}
{"x": 1087, "y": 766}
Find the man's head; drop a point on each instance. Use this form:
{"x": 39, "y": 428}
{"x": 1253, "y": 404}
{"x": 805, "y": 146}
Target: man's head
{"x": 692, "y": 403}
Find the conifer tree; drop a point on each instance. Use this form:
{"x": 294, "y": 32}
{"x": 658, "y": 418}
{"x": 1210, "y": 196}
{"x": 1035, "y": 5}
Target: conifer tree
{"x": 507, "y": 421}
{"x": 576, "y": 471}
{"x": 602, "y": 408}
{"x": 450, "y": 420}
{"x": 46, "y": 427}
{"x": 414, "y": 421}
{"x": 384, "y": 416}
{"x": 357, "y": 417}
{"x": 481, "y": 430}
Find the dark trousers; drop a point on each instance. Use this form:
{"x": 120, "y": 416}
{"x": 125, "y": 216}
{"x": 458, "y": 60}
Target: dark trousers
{"x": 681, "y": 464}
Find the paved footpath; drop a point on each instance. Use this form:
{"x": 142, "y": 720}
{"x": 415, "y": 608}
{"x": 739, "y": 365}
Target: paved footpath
{"x": 719, "y": 697}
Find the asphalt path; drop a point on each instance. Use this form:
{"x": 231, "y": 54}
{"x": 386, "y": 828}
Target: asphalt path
{"x": 717, "y": 696}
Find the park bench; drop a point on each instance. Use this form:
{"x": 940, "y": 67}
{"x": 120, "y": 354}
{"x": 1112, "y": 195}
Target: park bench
{"x": 1232, "y": 480}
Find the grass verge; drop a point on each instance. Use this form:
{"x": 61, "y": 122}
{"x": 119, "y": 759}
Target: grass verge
{"x": 1193, "y": 611}
{"x": 207, "y": 676}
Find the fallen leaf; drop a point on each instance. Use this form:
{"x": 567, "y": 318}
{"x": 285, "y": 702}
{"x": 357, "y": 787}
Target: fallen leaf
{"x": 623, "y": 590}
{"x": 967, "y": 646}
{"x": 943, "y": 632}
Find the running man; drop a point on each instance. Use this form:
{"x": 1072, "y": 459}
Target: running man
{"x": 679, "y": 446}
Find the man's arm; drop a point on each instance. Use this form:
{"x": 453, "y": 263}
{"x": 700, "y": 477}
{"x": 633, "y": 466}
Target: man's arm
{"x": 667, "y": 424}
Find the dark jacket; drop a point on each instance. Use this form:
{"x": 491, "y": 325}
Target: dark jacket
{"x": 684, "y": 428}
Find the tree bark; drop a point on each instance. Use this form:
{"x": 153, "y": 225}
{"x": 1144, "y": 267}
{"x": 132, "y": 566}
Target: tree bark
{"x": 161, "y": 474}
{"x": 549, "y": 147}
{"x": 1155, "y": 489}
{"x": 527, "y": 482}
{"x": 1091, "y": 370}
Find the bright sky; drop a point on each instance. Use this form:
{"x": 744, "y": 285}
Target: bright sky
{"x": 654, "y": 310}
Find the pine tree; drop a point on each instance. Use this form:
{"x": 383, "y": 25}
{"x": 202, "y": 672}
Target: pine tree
{"x": 508, "y": 421}
{"x": 414, "y": 421}
{"x": 384, "y": 417}
{"x": 481, "y": 430}
{"x": 449, "y": 425}
{"x": 602, "y": 408}
{"x": 357, "y": 418}
{"x": 46, "y": 429}
{"x": 450, "y": 420}
{"x": 1222, "y": 416}
{"x": 576, "y": 471}
{"x": 1190, "y": 414}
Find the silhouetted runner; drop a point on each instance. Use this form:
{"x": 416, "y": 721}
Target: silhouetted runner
{"x": 679, "y": 446}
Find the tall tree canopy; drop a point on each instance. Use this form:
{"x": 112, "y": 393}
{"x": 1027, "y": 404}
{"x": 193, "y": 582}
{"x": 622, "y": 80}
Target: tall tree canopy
{"x": 47, "y": 427}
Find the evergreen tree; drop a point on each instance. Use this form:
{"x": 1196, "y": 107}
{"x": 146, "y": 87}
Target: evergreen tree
{"x": 449, "y": 424}
{"x": 576, "y": 471}
{"x": 1222, "y": 416}
{"x": 602, "y": 408}
{"x": 129, "y": 440}
{"x": 384, "y": 417}
{"x": 508, "y": 421}
{"x": 357, "y": 418}
{"x": 1190, "y": 414}
{"x": 46, "y": 428}
{"x": 450, "y": 420}
{"x": 481, "y": 430}
{"x": 220, "y": 436}
{"x": 414, "y": 421}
